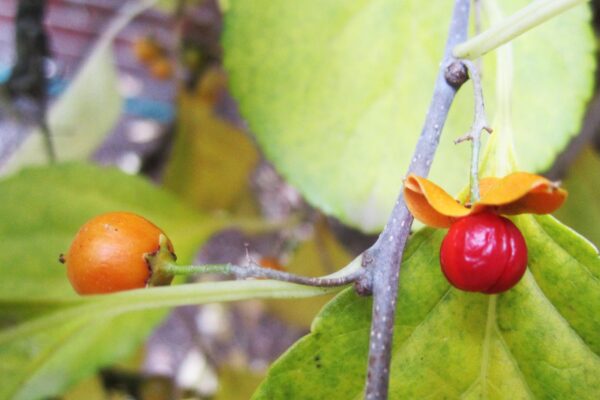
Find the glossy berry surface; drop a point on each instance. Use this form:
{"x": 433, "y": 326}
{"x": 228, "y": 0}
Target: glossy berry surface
{"x": 483, "y": 253}
{"x": 108, "y": 253}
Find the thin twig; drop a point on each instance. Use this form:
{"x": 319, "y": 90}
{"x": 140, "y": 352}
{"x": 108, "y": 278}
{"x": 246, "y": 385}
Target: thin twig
{"x": 479, "y": 124}
{"x": 253, "y": 270}
{"x": 383, "y": 258}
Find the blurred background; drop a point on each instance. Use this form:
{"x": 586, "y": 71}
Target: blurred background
{"x": 172, "y": 107}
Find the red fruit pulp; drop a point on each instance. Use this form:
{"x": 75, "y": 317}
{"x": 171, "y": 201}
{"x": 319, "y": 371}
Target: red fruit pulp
{"x": 483, "y": 253}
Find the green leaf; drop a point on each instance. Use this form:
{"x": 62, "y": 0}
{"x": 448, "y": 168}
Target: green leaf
{"x": 338, "y": 93}
{"x": 583, "y": 206}
{"x": 41, "y": 211}
{"x": 46, "y": 362}
{"x": 539, "y": 340}
{"x": 43, "y": 356}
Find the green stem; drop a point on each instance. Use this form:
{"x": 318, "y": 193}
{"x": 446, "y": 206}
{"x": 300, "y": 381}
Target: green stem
{"x": 345, "y": 276}
{"x": 523, "y": 20}
{"x": 475, "y": 194}
{"x": 198, "y": 269}
{"x": 479, "y": 124}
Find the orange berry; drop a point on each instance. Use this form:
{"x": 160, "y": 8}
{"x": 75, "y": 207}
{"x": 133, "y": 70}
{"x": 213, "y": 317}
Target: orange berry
{"x": 108, "y": 253}
{"x": 161, "y": 68}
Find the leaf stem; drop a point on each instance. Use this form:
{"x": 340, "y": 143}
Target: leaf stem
{"x": 383, "y": 258}
{"x": 520, "y": 22}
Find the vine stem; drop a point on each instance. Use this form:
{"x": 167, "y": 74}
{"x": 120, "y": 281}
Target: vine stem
{"x": 384, "y": 257}
{"x": 520, "y": 22}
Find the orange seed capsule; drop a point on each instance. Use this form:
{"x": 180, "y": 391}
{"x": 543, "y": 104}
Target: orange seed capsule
{"x": 108, "y": 253}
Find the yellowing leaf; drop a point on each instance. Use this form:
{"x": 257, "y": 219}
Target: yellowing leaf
{"x": 211, "y": 158}
{"x": 336, "y": 92}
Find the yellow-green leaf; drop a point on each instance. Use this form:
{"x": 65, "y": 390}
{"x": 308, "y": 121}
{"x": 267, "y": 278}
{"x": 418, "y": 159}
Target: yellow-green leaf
{"x": 211, "y": 159}
{"x": 541, "y": 339}
{"x": 336, "y": 92}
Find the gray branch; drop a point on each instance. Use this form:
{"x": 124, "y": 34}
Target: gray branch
{"x": 383, "y": 258}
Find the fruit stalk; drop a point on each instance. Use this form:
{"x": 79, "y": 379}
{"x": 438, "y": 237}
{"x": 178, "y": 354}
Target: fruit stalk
{"x": 479, "y": 124}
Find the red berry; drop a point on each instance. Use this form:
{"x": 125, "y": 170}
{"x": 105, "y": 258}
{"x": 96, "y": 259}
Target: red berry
{"x": 108, "y": 253}
{"x": 483, "y": 253}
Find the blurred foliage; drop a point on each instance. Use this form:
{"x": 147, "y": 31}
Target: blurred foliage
{"x": 237, "y": 384}
{"x": 89, "y": 389}
{"x": 582, "y": 209}
{"x": 211, "y": 159}
{"x": 85, "y": 114}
